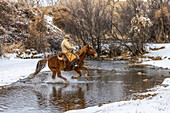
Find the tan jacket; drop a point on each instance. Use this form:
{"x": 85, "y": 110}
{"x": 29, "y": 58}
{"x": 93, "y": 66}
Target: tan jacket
{"x": 65, "y": 45}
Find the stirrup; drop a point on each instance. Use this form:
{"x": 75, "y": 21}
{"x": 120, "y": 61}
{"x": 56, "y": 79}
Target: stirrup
{"x": 65, "y": 69}
{"x": 75, "y": 66}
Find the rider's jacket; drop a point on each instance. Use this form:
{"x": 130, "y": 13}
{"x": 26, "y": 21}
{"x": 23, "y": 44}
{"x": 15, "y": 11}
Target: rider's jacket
{"x": 65, "y": 45}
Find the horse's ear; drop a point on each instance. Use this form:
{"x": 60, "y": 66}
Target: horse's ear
{"x": 89, "y": 45}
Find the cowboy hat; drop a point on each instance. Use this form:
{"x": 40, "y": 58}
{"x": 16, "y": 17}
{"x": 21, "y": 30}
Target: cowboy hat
{"x": 67, "y": 36}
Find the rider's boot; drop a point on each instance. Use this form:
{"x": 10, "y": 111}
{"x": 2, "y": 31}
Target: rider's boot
{"x": 65, "y": 66}
{"x": 76, "y": 65}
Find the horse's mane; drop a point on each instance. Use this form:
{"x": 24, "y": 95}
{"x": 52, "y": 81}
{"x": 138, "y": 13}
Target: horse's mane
{"x": 81, "y": 51}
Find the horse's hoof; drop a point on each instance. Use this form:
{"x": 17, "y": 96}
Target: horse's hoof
{"x": 73, "y": 77}
{"x": 30, "y": 77}
{"x": 53, "y": 77}
{"x": 68, "y": 81}
{"x": 87, "y": 76}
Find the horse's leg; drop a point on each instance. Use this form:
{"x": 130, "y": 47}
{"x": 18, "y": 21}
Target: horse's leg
{"x": 54, "y": 74}
{"x": 87, "y": 72}
{"x": 79, "y": 72}
{"x": 59, "y": 75}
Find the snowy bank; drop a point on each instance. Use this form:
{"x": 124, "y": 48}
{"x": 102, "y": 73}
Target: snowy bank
{"x": 158, "y": 50}
{"x": 14, "y": 69}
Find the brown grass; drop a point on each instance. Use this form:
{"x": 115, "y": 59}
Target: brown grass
{"x": 6, "y": 48}
{"x": 162, "y": 12}
{"x": 155, "y": 49}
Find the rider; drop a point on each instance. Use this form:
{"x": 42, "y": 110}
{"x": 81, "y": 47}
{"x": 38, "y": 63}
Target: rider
{"x": 66, "y": 47}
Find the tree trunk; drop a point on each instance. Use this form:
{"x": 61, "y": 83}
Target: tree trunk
{"x": 98, "y": 46}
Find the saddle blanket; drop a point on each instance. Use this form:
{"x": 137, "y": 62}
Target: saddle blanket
{"x": 70, "y": 56}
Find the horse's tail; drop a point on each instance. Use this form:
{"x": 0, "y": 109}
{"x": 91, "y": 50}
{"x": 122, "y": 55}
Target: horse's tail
{"x": 40, "y": 65}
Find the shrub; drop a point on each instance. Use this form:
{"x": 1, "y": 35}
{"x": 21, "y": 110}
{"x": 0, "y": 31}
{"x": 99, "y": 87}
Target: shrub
{"x": 0, "y": 50}
{"x": 13, "y": 48}
{"x": 37, "y": 35}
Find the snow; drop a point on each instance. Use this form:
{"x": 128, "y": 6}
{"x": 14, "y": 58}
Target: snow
{"x": 163, "y": 53}
{"x": 14, "y": 69}
{"x": 50, "y": 24}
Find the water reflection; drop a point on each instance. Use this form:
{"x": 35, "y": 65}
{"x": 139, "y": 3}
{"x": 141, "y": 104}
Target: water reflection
{"x": 67, "y": 100}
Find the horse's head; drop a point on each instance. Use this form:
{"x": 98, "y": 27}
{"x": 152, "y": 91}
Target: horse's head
{"x": 90, "y": 51}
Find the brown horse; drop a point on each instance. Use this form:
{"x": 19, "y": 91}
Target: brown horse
{"x": 57, "y": 65}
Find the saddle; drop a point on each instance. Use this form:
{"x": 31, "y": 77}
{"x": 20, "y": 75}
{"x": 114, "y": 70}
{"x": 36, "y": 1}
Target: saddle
{"x": 71, "y": 58}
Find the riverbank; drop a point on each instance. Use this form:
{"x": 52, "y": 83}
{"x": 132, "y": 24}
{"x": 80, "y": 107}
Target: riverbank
{"x": 158, "y": 55}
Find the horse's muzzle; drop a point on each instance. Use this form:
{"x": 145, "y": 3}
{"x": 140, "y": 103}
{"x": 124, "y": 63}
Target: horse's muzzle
{"x": 95, "y": 55}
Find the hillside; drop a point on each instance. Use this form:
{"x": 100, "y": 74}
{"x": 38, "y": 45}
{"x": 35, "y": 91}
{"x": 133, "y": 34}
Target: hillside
{"x": 60, "y": 11}
{"x": 20, "y": 23}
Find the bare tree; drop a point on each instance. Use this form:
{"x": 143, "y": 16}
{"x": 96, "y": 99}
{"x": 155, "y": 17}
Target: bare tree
{"x": 130, "y": 26}
{"x": 88, "y": 21}
{"x": 159, "y": 13}
{"x": 0, "y": 49}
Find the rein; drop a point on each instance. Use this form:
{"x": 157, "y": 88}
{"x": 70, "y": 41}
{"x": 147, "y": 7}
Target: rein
{"x": 81, "y": 51}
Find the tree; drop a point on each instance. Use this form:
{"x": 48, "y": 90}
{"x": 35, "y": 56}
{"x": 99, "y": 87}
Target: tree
{"x": 0, "y": 49}
{"x": 37, "y": 31}
{"x": 159, "y": 12}
{"x": 139, "y": 33}
{"x": 133, "y": 26}
{"x": 88, "y": 21}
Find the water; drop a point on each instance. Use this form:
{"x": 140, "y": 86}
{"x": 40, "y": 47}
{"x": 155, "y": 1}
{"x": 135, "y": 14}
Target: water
{"x": 109, "y": 81}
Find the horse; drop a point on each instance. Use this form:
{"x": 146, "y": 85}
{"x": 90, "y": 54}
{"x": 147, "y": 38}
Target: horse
{"x": 56, "y": 65}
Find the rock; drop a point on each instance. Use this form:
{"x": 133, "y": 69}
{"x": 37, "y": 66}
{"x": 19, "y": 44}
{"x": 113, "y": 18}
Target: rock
{"x": 139, "y": 73}
{"x": 140, "y": 91}
{"x": 109, "y": 102}
{"x": 28, "y": 52}
{"x": 155, "y": 49}
{"x": 145, "y": 80}
{"x": 158, "y": 58}
{"x": 34, "y": 52}
{"x": 2, "y": 31}
{"x": 143, "y": 56}
{"x": 131, "y": 90}
{"x": 99, "y": 105}
{"x": 151, "y": 57}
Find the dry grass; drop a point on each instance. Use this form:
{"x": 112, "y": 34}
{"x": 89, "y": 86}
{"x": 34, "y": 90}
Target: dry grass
{"x": 6, "y": 48}
{"x": 163, "y": 11}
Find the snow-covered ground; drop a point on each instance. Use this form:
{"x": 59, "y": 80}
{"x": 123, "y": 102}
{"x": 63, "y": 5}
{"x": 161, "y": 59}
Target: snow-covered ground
{"x": 163, "y": 53}
{"x": 14, "y": 69}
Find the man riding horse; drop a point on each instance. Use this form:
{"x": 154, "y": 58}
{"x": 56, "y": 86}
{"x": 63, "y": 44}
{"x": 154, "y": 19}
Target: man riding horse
{"x": 68, "y": 56}
{"x": 56, "y": 63}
